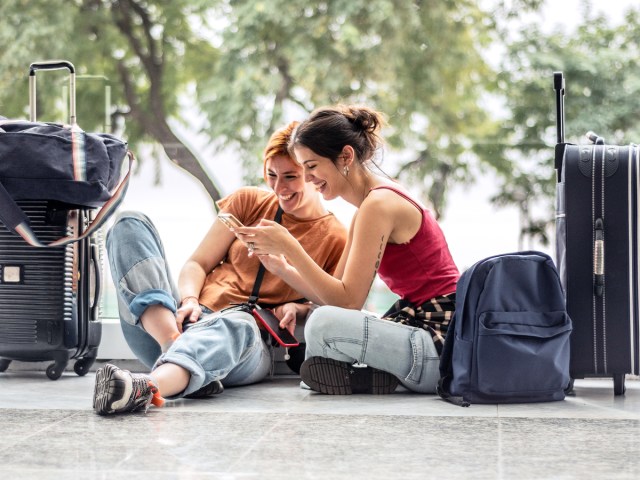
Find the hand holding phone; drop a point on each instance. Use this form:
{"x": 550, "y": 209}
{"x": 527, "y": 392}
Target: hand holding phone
{"x": 272, "y": 324}
{"x": 230, "y": 220}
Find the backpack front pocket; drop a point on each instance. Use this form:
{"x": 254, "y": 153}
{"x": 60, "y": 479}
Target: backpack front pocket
{"x": 524, "y": 353}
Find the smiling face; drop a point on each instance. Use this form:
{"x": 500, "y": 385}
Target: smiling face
{"x": 321, "y": 172}
{"x": 286, "y": 179}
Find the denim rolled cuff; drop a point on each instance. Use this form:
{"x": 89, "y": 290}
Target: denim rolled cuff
{"x": 144, "y": 300}
{"x": 197, "y": 378}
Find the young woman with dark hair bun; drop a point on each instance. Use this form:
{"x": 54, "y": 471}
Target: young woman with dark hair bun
{"x": 392, "y": 235}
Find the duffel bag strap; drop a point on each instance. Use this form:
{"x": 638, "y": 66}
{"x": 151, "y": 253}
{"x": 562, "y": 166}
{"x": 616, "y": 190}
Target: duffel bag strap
{"x": 10, "y": 213}
{"x": 16, "y": 221}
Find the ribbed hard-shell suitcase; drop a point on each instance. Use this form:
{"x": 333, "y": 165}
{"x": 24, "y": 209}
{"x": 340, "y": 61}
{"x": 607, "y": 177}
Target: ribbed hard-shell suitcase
{"x": 49, "y": 297}
{"x": 598, "y": 251}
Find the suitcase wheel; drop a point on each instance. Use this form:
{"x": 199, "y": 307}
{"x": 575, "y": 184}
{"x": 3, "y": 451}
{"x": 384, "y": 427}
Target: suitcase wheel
{"x": 618, "y": 384}
{"x": 4, "y": 364}
{"x": 82, "y": 366}
{"x": 54, "y": 371}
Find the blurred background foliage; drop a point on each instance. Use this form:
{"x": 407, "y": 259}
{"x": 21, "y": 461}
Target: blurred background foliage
{"x": 466, "y": 89}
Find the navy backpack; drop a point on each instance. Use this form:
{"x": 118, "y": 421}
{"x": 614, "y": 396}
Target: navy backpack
{"x": 508, "y": 341}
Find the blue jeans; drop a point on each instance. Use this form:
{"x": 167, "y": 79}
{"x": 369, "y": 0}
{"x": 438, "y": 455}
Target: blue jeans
{"x": 355, "y": 336}
{"x": 220, "y": 346}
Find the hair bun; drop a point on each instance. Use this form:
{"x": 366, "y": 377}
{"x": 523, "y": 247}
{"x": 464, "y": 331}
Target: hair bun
{"x": 328, "y": 129}
{"x": 363, "y": 118}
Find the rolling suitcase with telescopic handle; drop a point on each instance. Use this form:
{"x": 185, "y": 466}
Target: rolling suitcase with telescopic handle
{"x": 50, "y": 245}
{"x": 598, "y": 252}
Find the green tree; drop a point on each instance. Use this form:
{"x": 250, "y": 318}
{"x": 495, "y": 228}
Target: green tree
{"x": 601, "y": 66}
{"x": 247, "y": 66}
{"x": 419, "y": 62}
{"x": 150, "y": 51}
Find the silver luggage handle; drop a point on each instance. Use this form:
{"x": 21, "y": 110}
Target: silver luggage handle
{"x": 52, "y": 65}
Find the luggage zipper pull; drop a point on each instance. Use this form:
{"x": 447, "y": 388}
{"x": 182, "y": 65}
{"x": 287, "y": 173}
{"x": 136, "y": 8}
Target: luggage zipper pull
{"x": 598, "y": 258}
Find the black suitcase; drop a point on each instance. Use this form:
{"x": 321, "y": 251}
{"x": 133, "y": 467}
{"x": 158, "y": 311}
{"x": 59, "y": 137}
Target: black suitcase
{"x": 597, "y": 251}
{"x": 49, "y": 297}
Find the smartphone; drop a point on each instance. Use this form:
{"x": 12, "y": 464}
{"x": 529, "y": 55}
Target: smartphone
{"x": 229, "y": 220}
{"x": 272, "y": 324}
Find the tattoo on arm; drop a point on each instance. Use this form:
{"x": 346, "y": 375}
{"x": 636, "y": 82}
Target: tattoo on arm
{"x": 380, "y": 251}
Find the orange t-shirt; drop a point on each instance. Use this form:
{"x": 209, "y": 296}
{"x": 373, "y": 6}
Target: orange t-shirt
{"x": 232, "y": 280}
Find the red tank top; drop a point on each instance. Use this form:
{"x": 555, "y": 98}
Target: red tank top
{"x": 423, "y": 268}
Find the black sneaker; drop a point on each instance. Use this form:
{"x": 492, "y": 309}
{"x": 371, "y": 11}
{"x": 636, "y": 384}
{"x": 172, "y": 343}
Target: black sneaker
{"x": 120, "y": 391}
{"x": 209, "y": 390}
{"x": 332, "y": 377}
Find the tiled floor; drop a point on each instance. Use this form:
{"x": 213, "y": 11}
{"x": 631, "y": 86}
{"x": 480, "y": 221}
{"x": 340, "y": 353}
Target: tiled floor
{"x": 275, "y": 430}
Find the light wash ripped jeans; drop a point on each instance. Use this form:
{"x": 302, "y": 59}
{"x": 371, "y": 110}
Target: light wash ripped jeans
{"x": 220, "y": 346}
{"x": 354, "y": 336}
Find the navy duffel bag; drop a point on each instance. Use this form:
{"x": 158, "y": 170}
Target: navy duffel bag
{"x": 48, "y": 161}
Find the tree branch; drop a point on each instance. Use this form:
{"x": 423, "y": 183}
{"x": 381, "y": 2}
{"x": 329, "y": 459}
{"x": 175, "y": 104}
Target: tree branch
{"x": 147, "y": 24}
{"x": 154, "y": 119}
{"x": 122, "y": 18}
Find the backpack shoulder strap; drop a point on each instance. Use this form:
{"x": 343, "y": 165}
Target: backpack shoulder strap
{"x": 446, "y": 358}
